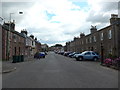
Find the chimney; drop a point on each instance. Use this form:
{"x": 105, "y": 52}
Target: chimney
{"x": 75, "y": 38}
{"x": 24, "y": 31}
{"x": 113, "y": 18}
{"x": 82, "y": 35}
{"x": 35, "y": 39}
{"x": 93, "y": 29}
{"x": 11, "y": 25}
{"x": 32, "y": 36}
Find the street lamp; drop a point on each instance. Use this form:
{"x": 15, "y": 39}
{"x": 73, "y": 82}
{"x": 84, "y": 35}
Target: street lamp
{"x": 1, "y": 20}
{"x": 8, "y": 48}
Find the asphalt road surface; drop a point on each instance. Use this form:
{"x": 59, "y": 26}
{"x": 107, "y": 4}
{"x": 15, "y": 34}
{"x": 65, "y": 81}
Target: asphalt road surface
{"x": 57, "y": 71}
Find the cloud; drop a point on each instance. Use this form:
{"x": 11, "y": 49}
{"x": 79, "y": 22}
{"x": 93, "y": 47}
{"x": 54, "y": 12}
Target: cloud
{"x": 58, "y": 21}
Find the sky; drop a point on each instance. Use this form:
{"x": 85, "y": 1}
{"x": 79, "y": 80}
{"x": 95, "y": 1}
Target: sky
{"x": 58, "y": 21}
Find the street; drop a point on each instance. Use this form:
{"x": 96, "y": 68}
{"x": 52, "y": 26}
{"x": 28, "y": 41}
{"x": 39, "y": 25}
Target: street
{"x": 57, "y": 71}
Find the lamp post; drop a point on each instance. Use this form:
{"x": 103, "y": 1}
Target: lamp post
{"x": 1, "y": 20}
{"x": 102, "y": 54}
{"x": 9, "y": 29}
{"x": 8, "y": 36}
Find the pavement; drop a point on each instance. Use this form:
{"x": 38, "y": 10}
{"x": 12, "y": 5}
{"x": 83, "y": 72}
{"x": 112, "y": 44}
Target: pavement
{"x": 8, "y": 66}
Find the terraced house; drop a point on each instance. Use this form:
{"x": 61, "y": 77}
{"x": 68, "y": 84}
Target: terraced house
{"x": 106, "y": 39}
{"x": 13, "y": 42}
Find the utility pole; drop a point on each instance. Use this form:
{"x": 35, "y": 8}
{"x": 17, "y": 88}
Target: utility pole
{"x": 102, "y": 54}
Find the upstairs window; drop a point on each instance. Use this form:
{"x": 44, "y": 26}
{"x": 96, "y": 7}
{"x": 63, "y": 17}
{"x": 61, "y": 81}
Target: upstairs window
{"x": 82, "y": 42}
{"x": 101, "y": 36}
{"x": 86, "y": 41}
{"x": 90, "y": 40}
{"x": 94, "y": 38}
{"x": 109, "y": 34}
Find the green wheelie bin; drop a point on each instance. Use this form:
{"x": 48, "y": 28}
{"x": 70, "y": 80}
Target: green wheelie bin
{"x": 22, "y": 58}
{"x": 14, "y": 59}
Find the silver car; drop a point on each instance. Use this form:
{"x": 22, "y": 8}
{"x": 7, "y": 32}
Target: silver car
{"x": 90, "y": 55}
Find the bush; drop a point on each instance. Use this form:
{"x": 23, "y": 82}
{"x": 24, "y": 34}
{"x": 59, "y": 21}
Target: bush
{"x": 116, "y": 62}
{"x": 108, "y": 61}
{"x": 112, "y": 62}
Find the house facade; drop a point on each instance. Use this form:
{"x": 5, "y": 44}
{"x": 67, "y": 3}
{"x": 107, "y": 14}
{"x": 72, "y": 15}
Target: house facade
{"x": 13, "y": 43}
{"x": 38, "y": 46}
{"x": 44, "y": 47}
{"x": 106, "y": 39}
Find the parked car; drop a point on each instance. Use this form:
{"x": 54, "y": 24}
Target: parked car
{"x": 67, "y": 53}
{"x": 39, "y": 55}
{"x": 42, "y": 54}
{"x": 90, "y": 55}
{"x": 62, "y": 52}
{"x": 46, "y": 53}
{"x": 72, "y": 54}
{"x": 36, "y": 55}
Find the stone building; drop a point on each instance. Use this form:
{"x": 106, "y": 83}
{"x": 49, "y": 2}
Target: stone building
{"x": 44, "y": 47}
{"x": 28, "y": 43}
{"x": 31, "y": 44}
{"x": 13, "y": 42}
{"x": 106, "y": 38}
{"x": 38, "y": 46}
{"x": 33, "y": 50}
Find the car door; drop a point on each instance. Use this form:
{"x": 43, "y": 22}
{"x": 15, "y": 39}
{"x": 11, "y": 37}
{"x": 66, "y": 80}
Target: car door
{"x": 87, "y": 55}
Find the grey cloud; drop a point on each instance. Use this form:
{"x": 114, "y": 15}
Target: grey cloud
{"x": 99, "y": 18}
{"x": 109, "y": 6}
{"x": 15, "y": 7}
{"x": 106, "y": 7}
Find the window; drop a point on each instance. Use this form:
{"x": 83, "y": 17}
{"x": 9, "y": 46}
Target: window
{"x": 109, "y": 34}
{"x": 94, "y": 38}
{"x": 101, "y": 36}
{"x": 82, "y": 42}
{"x": 88, "y": 53}
{"x": 93, "y": 53}
{"x": 90, "y": 40}
{"x": 86, "y": 41}
{"x": 32, "y": 43}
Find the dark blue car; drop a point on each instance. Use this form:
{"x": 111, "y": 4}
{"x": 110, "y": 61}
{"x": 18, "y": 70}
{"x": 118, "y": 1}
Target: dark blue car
{"x": 39, "y": 55}
{"x": 42, "y": 54}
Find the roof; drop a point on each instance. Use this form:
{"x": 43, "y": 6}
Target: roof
{"x": 13, "y": 31}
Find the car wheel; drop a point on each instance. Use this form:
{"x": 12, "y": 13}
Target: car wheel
{"x": 80, "y": 58}
{"x": 95, "y": 58}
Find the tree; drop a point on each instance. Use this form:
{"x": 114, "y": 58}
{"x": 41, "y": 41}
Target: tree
{"x": 58, "y": 45}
